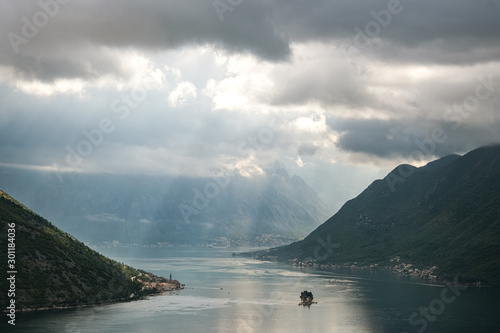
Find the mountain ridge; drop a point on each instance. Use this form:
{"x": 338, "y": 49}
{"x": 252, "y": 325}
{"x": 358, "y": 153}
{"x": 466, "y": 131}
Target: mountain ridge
{"x": 445, "y": 214}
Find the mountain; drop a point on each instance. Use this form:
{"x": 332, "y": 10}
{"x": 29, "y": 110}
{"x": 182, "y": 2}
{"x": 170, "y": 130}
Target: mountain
{"x": 445, "y": 214}
{"x": 150, "y": 209}
{"x": 50, "y": 268}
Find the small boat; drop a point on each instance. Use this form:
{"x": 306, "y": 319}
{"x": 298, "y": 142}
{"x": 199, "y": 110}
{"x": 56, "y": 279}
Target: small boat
{"x": 306, "y": 298}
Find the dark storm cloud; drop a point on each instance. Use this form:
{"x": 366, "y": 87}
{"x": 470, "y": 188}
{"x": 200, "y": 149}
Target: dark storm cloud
{"x": 451, "y": 30}
{"x": 374, "y": 137}
{"x": 394, "y": 138}
{"x": 96, "y": 40}
{"x": 73, "y": 40}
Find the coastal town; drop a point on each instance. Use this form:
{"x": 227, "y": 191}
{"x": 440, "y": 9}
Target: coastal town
{"x": 410, "y": 270}
{"x": 396, "y": 266}
{"x": 152, "y": 284}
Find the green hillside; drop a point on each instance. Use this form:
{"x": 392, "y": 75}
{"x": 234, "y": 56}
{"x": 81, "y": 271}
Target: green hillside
{"x": 446, "y": 214}
{"x": 53, "y": 269}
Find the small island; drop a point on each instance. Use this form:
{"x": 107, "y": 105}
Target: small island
{"x": 306, "y": 298}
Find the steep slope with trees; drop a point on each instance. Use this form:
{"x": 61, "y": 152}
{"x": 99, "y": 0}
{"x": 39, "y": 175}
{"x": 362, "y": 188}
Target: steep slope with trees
{"x": 53, "y": 269}
{"x": 445, "y": 214}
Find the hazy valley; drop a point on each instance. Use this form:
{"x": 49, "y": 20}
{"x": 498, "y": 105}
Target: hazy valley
{"x": 266, "y": 209}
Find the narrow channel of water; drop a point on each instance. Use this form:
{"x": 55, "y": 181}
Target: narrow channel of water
{"x": 232, "y": 294}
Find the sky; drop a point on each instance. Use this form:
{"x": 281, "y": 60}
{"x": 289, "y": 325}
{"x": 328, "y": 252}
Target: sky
{"x": 339, "y": 91}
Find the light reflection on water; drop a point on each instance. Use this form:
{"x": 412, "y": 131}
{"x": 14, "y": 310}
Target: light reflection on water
{"x": 226, "y": 294}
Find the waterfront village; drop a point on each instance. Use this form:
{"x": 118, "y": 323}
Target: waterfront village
{"x": 396, "y": 266}
{"x": 156, "y": 284}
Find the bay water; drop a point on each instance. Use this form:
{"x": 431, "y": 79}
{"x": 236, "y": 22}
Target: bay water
{"x": 234, "y": 294}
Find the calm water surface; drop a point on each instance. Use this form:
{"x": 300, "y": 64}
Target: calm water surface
{"x": 226, "y": 294}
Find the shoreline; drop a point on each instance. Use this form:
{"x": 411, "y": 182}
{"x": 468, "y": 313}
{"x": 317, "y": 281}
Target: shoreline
{"x": 395, "y": 266}
{"x": 428, "y": 277}
{"x": 152, "y": 285}
{"x": 68, "y": 307}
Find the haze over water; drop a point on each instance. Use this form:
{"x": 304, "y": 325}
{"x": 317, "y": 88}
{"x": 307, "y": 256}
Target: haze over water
{"x": 232, "y": 294}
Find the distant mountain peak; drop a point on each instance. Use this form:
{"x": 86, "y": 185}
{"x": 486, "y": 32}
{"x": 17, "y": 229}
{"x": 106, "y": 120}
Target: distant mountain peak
{"x": 103, "y": 207}
{"x": 277, "y": 168}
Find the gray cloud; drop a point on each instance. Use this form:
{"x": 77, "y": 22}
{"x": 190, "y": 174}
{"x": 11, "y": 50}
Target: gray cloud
{"x": 402, "y": 138}
{"x": 154, "y": 138}
{"x": 451, "y": 30}
{"x": 74, "y": 42}
{"x": 307, "y": 150}
{"x": 383, "y": 108}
